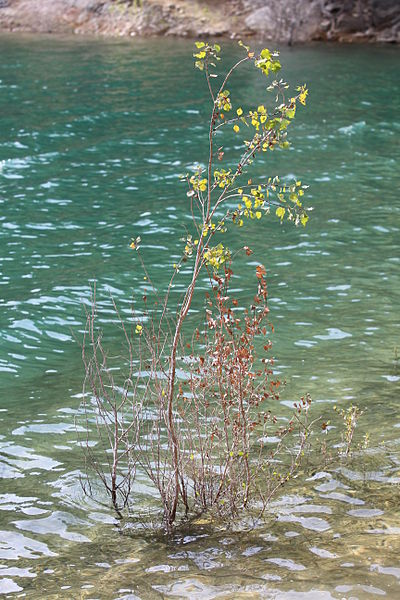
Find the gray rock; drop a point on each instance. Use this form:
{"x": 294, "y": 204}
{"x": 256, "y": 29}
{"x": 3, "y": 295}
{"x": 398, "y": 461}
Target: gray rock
{"x": 349, "y": 24}
{"x": 288, "y": 21}
{"x": 384, "y": 12}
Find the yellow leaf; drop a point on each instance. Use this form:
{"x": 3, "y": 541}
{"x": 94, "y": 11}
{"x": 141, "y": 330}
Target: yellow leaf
{"x": 303, "y": 220}
{"x": 247, "y": 202}
{"x": 303, "y": 95}
{"x": 235, "y": 128}
{"x": 280, "y": 212}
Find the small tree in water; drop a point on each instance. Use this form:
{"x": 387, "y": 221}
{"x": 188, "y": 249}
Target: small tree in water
{"x": 195, "y": 415}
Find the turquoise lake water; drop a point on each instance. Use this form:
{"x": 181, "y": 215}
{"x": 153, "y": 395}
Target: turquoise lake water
{"x": 93, "y": 136}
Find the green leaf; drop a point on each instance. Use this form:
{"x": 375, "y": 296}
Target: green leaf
{"x": 291, "y": 112}
{"x": 275, "y": 66}
{"x": 265, "y": 53}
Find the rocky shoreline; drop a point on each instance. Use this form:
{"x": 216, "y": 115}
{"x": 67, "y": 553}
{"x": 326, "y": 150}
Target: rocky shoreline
{"x": 288, "y": 21}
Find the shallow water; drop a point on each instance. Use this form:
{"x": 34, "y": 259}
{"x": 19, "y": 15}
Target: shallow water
{"x": 93, "y": 136}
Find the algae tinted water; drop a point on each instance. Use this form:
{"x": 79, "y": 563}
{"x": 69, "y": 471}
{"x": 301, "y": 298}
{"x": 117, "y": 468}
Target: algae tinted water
{"x": 93, "y": 137}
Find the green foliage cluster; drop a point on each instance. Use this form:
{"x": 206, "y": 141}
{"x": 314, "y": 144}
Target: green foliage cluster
{"x": 266, "y": 129}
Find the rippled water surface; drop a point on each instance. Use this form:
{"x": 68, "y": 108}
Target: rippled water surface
{"x": 93, "y": 135}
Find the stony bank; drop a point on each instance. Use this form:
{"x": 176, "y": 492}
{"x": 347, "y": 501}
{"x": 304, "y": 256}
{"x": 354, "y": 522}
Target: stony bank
{"x": 288, "y": 21}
